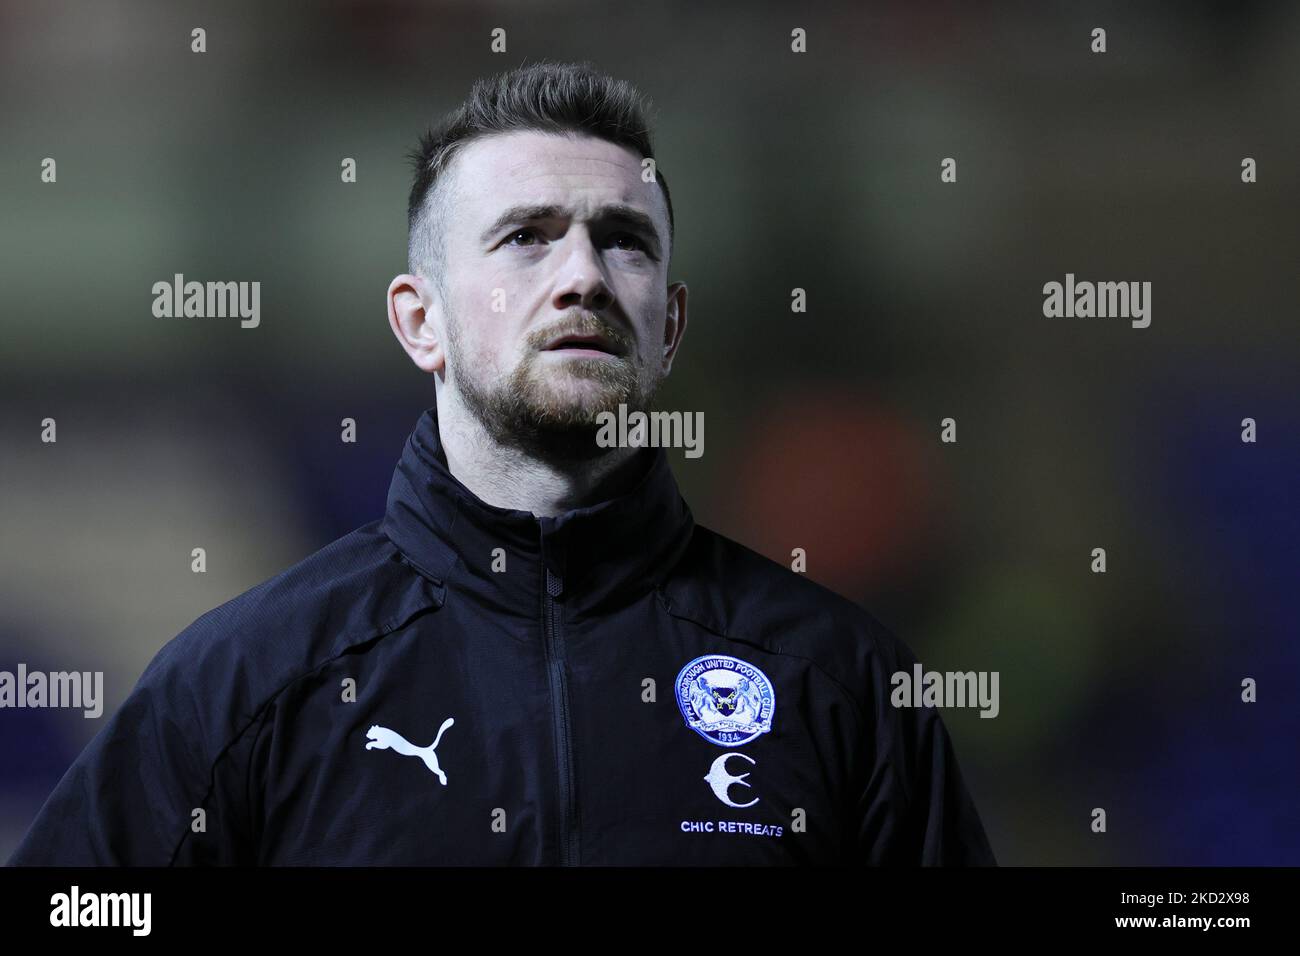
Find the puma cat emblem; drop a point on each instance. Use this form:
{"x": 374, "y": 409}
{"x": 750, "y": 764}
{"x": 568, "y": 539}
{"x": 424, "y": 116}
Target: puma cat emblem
{"x": 381, "y": 738}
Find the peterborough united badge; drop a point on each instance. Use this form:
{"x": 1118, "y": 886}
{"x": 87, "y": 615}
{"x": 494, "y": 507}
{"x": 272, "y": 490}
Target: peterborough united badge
{"x": 725, "y": 700}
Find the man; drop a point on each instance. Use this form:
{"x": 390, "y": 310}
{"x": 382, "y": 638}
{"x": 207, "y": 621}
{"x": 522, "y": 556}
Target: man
{"x": 536, "y": 656}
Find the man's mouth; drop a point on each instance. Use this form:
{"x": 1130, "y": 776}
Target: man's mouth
{"x": 582, "y": 344}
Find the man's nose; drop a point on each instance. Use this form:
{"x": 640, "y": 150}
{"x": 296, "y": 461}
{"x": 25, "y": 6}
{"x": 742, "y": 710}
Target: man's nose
{"x": 581, "y": 279}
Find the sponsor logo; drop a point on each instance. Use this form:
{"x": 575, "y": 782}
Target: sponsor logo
{"x": 381, "y": 738}
{"x": 720, "y": 781}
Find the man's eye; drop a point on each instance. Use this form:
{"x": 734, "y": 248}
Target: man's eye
{"x": 629, "y": 243}
{"x": 528, "y": 234}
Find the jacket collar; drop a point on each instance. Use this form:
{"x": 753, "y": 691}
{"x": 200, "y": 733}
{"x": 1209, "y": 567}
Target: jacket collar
{"x": 603, "y": 555}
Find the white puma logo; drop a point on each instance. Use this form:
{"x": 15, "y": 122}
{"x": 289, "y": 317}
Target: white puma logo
{"x": 381, "y": 738}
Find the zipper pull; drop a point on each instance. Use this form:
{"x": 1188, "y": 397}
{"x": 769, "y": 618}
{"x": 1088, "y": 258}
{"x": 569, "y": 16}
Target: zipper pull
{"x": 554, "y": 584}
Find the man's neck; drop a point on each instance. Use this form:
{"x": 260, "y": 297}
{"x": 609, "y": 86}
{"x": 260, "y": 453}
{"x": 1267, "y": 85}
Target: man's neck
{"x": 508, "y": 477}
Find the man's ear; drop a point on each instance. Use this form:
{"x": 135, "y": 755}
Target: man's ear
{"x": 415, "y": 315}
{"x": 675, "y": 323}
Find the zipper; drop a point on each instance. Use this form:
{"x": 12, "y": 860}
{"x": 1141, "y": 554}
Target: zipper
{"x": 560, "y": 711}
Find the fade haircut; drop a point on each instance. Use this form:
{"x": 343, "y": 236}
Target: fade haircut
{"x": 548, "y": 97}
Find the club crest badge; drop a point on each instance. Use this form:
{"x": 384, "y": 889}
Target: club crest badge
{"x": 725, "y": 700}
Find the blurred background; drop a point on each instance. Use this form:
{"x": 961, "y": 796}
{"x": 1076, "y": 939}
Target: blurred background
{"x": 819, "y": 171}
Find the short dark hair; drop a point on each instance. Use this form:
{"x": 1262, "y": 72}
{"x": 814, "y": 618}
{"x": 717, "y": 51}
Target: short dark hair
{"x": 546, "y": 96}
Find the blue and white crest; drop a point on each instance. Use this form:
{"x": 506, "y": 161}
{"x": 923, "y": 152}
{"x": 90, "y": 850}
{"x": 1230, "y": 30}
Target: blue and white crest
{"x": 725, "y": 700}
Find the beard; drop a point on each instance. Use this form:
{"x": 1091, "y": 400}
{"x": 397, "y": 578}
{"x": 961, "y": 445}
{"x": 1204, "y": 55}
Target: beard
{"x": 550, "y": 413}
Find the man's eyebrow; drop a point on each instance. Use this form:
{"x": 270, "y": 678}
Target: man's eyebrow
{"x": 633, "y": 218}
{"x": 618, "y": 213}
{"x": 520, "y": 214}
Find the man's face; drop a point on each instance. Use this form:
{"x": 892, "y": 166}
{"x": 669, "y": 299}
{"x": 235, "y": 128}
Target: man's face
{"x": 557, "y": 303}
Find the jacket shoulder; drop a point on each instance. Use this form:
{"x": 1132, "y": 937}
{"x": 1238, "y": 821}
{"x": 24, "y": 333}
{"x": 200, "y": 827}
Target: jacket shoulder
{"x": 199, "y": 702}
{"x": 914, "y": 790}
{"x": 234, "y": 658}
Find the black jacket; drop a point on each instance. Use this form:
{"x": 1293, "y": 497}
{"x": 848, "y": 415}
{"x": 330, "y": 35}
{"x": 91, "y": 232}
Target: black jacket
{"x": 457, "y": 683}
